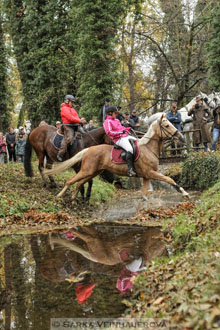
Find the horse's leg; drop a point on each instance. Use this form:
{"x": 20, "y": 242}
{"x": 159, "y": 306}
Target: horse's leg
{"x": 49, "y": 166}
{"x": 82, "y": 188}
{"x": 79, "y": 176}
{"x": 158, "y": 176}
{"x": 85, "y": 237}
{"x": 41, "y": 167}
{"x": 89, "y": 189}
{"x": 146, "y": 183}
{"x": 74, "y": 247}
{"x": 81, "y": 182}
{"x": 82, "y": 191}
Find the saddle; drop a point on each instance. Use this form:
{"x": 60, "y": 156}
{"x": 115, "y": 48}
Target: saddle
{"x": 58, "y": 138}
{"x": 119, "y": 154}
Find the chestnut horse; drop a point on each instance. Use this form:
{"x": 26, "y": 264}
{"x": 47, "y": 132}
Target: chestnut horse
{"x": 98, "y": 158}
{"x": 41, "y": 140}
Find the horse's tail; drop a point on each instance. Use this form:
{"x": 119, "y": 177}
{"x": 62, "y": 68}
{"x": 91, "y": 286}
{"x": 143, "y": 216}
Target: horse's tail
{"x": 27, "y": 158}
{"x": 67, "y": 164}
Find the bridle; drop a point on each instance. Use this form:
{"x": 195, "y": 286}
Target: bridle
{"x": 168, "y": 135}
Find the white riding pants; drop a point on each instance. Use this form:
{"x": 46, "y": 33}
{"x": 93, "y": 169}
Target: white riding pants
{"x": 124, "y": 143}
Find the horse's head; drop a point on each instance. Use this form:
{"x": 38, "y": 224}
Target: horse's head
{"x": 209, "y": 100}
{"x": 27, "y": 127}
{"x": 216, "y": 98}
{"x": 166, "y": 130}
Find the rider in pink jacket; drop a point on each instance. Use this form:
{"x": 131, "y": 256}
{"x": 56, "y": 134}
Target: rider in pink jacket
{"x": 120, "y": 137}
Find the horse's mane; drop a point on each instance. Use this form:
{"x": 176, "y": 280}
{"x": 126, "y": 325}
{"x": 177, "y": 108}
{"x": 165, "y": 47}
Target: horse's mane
{"x": 146, "y": 138}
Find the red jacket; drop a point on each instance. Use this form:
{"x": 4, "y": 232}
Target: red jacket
{"x": 69, "y": 115}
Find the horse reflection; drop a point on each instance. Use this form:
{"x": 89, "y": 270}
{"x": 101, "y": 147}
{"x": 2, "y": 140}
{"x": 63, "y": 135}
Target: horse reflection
{"x": 61, "y": 264}
{"x": 103, "y": 249}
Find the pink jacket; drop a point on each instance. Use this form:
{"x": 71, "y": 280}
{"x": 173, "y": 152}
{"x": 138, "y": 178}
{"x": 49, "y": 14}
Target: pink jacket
{"x": 114, "y": 129}
{"x": 3, "y": 145}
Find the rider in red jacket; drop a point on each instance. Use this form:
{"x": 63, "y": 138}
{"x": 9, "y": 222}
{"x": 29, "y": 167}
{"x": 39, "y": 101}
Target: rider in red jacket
{"x": 69, "y": 116}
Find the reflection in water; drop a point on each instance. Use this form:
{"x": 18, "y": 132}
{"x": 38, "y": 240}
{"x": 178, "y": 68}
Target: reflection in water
{"x": 84, "y": 272}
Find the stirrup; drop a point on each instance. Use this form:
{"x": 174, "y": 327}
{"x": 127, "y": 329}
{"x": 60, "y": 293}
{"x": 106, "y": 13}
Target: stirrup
{"x": 131, "y": 172}
{"x": 60, "y": 158}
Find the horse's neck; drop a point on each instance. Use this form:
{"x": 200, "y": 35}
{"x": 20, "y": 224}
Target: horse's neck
{"x": 94, "y": 137}
{"x": 155, "y": 146}
{"x": 152, "y": 141}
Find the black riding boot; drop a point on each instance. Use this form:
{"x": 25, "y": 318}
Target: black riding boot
{"x": 129, "y": 159}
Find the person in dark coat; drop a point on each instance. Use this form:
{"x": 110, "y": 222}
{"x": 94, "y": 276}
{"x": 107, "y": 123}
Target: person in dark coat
{"x": 174, "y": 117}
{"x": 200, "y": 114}
{"x": 119, "y": 116}
{"x": 20, "y": 148}
{"x": 216, "y": 127}
{"x": 127, "y": 121}
{"x": 103, "y": 110}
{"x": 11, "y": 142}
{"x": 135, "y": 118}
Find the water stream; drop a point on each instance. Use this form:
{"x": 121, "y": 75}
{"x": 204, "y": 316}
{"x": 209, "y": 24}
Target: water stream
{"x": 82, "y": 272}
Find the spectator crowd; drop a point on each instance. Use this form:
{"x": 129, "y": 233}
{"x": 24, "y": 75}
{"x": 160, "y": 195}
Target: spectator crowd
{"x": 12, "y": 145}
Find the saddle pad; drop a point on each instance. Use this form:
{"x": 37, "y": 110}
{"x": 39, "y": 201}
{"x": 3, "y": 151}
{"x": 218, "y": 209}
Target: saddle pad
{"x": 116, "y": 154}
{"x": 57, "y": 140}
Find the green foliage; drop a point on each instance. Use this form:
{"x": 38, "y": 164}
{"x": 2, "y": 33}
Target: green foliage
{"x": 65, "y": 47}
{"x": 39, "y": 34}
{"x": 95, "y": 25}
{"x": 213, "y": 61}
{"x": 4, "y": 112}
{"x": 200, "y": 170}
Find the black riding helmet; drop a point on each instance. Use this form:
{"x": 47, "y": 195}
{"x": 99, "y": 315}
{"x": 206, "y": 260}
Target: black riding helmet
{"x": 70, "y": 98}
{"x": 110, "y": 110}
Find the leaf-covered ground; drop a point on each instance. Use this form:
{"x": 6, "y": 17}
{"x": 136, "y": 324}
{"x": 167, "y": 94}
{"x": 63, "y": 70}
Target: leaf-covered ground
{"x": 25, "y": 206}
{"x": 186, "y": 287}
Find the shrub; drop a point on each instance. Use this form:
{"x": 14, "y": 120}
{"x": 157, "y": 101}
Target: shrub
{"x": 200, "y": 170}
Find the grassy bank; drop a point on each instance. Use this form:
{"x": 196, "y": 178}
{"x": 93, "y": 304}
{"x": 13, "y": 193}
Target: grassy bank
{"x": 185, "y": 288}
{"x": 25, "y": 198}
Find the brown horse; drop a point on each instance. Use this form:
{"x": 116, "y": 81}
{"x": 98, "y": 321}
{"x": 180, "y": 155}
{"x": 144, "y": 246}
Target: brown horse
{"x": 41, "y": 140}
{"x": 98, "y": 158}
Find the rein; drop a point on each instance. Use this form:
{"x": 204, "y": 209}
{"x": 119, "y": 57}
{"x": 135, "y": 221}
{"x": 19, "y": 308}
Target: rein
{"x": 168, "y": 135}
{"x": 92, "y": 138}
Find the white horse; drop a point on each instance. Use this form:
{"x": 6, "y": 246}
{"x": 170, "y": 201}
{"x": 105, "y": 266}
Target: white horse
{"x": 186, "y": 120}
{"x": 27, "y": 126}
